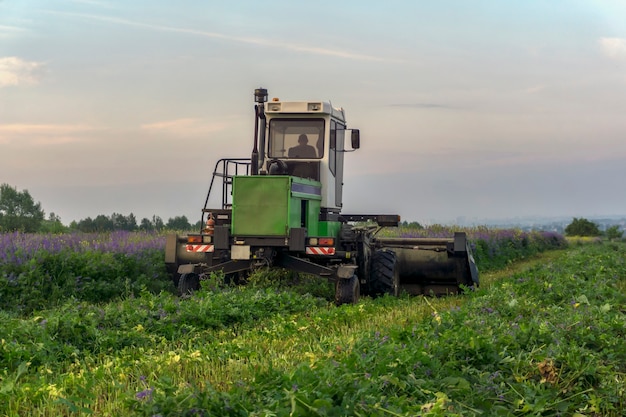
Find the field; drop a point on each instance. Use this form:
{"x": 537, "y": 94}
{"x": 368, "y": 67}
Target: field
{"x": 90, "y": 326}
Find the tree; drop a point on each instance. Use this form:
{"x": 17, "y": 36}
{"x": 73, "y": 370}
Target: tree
{"x": 614, "y": 233}
{"x": 146, "y": 225}
{"x": 131, "y": 222}
{"x": 52, "y": 225}
{"x": 84, "y": 225}
{"x": 121, "y": 222}
{"x": 18, "y": 211}
{"x": 582, "y": 227}
{"x": 157, "y": 222}
{"x": 102, "y": 223}
{"x": 412, "y": 225}
{"x": 178, "y": 223}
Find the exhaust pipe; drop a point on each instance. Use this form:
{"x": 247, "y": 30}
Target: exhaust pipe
{"x": 260, "y": 97}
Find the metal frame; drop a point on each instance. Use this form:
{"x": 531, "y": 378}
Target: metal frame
{"x": 230, "y": 167}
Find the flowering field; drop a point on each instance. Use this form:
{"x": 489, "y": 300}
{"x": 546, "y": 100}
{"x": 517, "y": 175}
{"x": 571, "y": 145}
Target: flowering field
{"x": 544, "y": 338}
{"x": 39, "y": 271}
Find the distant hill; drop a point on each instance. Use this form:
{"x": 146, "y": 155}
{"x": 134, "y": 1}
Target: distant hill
{"x": 556, "y": 224}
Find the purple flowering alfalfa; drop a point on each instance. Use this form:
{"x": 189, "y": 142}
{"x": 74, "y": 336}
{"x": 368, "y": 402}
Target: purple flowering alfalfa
{"x": 146, "y": 394}
{"x": 17, "y": 248}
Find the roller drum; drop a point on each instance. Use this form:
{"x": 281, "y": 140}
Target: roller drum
{"x": 433, "y": 266}
{"x": 176, "y": 253}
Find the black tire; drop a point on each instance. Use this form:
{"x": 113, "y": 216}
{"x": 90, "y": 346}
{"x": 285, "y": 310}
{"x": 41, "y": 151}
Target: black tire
{"x": 384, "y": 273}
{"x": 188, "y": 283}
{"x": 172, "y": 269}
{"x": 347, "y": 290}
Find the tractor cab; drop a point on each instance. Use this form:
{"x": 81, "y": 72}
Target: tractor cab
{"x": 304, "y": 139}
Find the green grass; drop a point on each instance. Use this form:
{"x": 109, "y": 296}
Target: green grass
{"x": 542, "y": 337}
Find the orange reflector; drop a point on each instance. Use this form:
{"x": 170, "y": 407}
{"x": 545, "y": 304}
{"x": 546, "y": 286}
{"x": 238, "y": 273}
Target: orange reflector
{"x": 194, "y": 239}
{"x": 326, "y": 241}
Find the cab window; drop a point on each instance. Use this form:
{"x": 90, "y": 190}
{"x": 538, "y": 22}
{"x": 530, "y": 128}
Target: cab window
{"x": 296, "y": 138}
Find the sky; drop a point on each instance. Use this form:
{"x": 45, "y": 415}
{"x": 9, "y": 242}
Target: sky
{"x": 467, "y": 109}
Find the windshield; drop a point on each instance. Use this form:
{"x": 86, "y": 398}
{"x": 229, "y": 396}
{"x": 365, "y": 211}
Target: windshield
{"x": 296, "y": 138}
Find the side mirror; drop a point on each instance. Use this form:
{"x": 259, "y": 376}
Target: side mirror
{"x": 355, "y": 139}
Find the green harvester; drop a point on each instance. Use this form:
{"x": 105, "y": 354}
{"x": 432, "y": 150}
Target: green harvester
{"x": 282, "y": 208}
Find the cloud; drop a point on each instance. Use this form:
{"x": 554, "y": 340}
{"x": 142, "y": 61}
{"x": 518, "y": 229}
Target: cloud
{"x": 184, "y": 126}
{"x": 41, "y": 134}
{"x": 42, "y": 128}
{"x": 16, "y": 71}
{"x": 92, "y": 3}
{"x": 9, "y": 30}
{"x": 614, "y": 48}
{"x": 245, "y": 40}
{"x": 535, "y": 89}
{"x": 425, "y": 106}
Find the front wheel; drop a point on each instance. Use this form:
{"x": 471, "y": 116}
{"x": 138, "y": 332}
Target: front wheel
{"x": 188, "y": 283}
{"x": 347, "y": 290}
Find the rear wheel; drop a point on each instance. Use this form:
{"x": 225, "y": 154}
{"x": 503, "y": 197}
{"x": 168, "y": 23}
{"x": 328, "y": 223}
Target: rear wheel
{"x": 384, "y": 273}
{"x": 172, "y": 269}
{"x": 347, "y": 290}
{"x": 188, "y": 283}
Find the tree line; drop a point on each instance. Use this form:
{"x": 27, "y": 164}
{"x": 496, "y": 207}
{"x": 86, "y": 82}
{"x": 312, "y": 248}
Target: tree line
{"x": 19, "y": 212}
{"x": 117, "y": 221}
